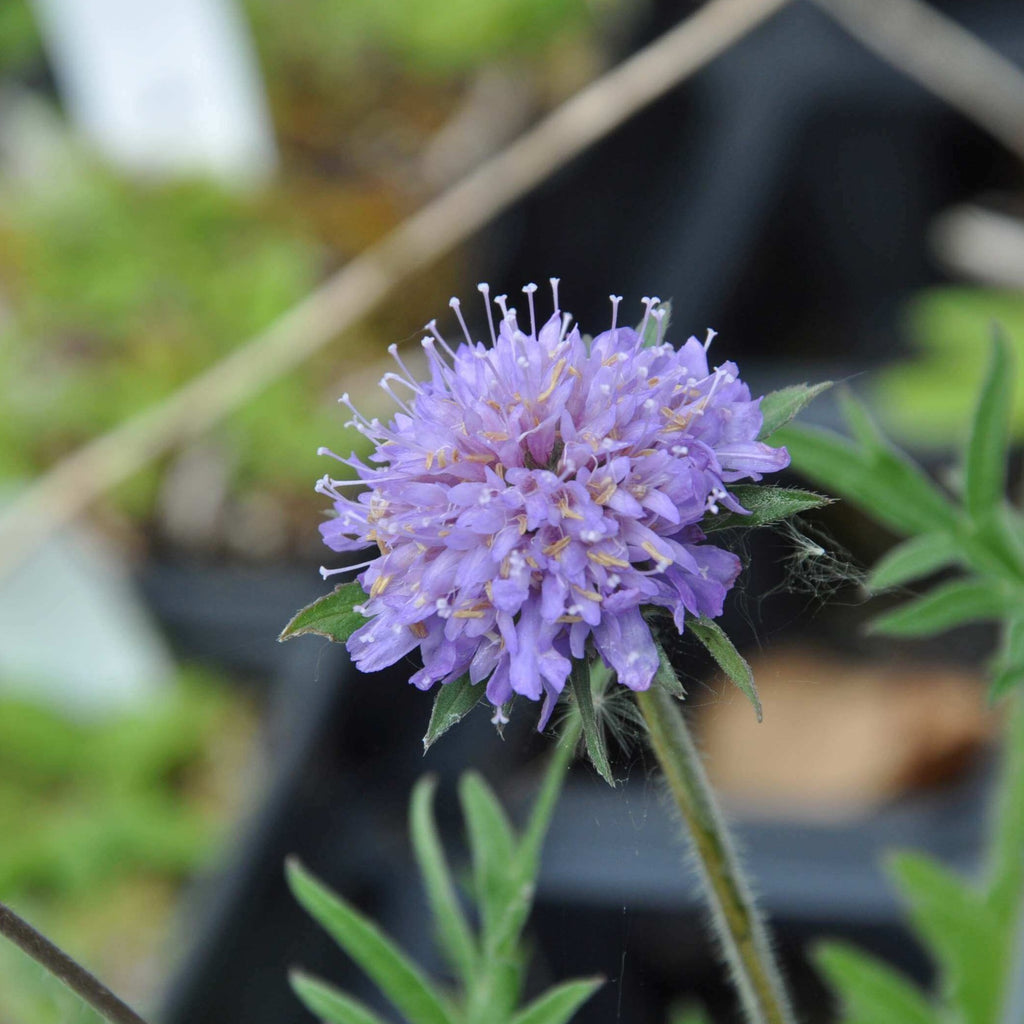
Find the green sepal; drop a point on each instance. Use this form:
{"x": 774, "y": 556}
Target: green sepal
{"x": 333, "y": 616}
{"x": 453, "y": 931}
{"x": 666, "y": 676}
{"x": 729, "y": 660}
{"x": 869, "y": 990}
{"x": 766, "y": 505}
{"x": 988, "y": 443}
{"x": 656, "y": 326}
{"x": 398, "y": 978}
{"x": 557, "y": 1005}
{"x": 948, "y": 605}
{"x": 913, "y": 559}
{"x": 960, "y": 932}
{"x": 452, "y": 703}
{"x": 579, "y": 679}
{"x": 327, "y": 1004}
{"x": 779, "y": 407}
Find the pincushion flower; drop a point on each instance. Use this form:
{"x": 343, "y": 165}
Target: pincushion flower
{"x": 532, "y": 497}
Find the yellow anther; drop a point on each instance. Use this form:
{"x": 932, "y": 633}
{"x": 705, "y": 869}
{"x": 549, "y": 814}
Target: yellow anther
{"x": 662, "y": 560}
{"x": 468, "y": 613}
{"x": 555, "y": 374}
{"x": 590, "y": 595}
{"x": 418, "y": 630}
{"x": 607, "y": 560}
{"x": 380, "y": 584}
{"x": 569, "y": 618}
{"x": 494, "y": 435}
{"x": 555, "y": 549}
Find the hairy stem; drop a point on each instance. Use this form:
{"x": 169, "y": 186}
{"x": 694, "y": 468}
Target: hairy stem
{"x": 740, "y": 929}
{"x": 61, "y": 966}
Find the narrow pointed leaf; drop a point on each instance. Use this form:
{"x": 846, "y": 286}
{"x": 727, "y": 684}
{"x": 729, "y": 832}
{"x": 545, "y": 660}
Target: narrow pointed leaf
{"x": 988, "y": 445}
{"x": 913, "y": 559}
{"x": 862, "y": 424}
{"x": 1004, "y": 875}
{"x": 326, "y": 1003}
{"x": 766, "y": 505}
{"x": 729, "y": 660}
{"x": 452, "y": 703}
{"x": 949, "y": 605}
{"x": 779, "y": 407}
{"x": 492, "y": 847}
{"x": 401, "y": 981}
{"x": 547, "y": 796}
{"x": 558, "y": 1005}
{"x": 579, "y": 679}
{"x": 454, "y": 934}
{"x": 332, "y": 616}
{"x": 890, "y": 486}
{"x": 871, "y": 991}
{"x": 960, "y": 932}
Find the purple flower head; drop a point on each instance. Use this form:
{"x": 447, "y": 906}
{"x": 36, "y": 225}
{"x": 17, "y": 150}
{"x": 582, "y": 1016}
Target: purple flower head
{"x": 536, "y": 493}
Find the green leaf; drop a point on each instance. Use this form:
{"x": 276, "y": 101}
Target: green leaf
{"x": 688, "y": 1013}
{"x": 913, "y": 559}
{"x": 454, "y": 934}
{"x": 888, "y": 485}
{"x": 666, "y": 677}
{"x": 988, "y": 445}
{"x": 655, "y": 329}
{"x": 547, "y": 797}
{"x": 326, "y": 1003}
{"x": 870, "y": 991}
{"x": 959, "y": 930}
{"x": 949, "y": 605}
{"x": 865, "y": 430}
{"x": 1004, "y": 876}
{"x": 779, "y": 407}
{"x": 766, "y": 505}
{"x": 401, "y": 981}
{"x": 559, "y": 1004}
{"x": 492, "y": 846}
{"x": 729, "y": 660}
{"x": 332, "y": 616}
{"x": 579, "y": 679}
{"x": 452, "y": 703}
{"x": 1008, "y": 669}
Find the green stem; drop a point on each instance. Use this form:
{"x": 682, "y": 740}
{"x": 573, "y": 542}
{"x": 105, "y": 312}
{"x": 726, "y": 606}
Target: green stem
{"x": 740, "y": 929}
{"x": 62, "y": 967}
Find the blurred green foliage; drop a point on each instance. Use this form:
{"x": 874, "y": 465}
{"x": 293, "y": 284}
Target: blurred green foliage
{"x": 119, "y": 292}
{"x": 335, "y": 40}
{"x": 19, "y": 37}
{"x": 101, "y": 821}
{"x": 926, "y": 400}
{"x": 82, "y": 800}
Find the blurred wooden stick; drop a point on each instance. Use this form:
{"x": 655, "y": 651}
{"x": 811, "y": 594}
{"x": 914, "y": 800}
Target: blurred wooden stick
{"x": 74, "y": 483}
{"x": 945, "y": 58}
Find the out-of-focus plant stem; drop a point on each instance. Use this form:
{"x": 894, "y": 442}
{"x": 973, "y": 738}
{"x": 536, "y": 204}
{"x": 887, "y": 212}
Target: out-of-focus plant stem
{"x": 62, "y": 967}
{"x": 740, "y": 930}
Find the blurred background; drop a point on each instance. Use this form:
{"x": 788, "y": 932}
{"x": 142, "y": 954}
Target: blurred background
{"x": 173, "y": 177}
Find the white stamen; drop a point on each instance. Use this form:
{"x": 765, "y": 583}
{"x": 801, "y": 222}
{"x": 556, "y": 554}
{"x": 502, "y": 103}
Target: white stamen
{"x": 529, "y": 290}
{"x": 554, "y": 291}
{"x": 616, "y": 299}
{"x": 432, "y": 327}
{"x": 485, "y": 290}
{"x": 711, "y": 335}
{"x": 457, "y": 306}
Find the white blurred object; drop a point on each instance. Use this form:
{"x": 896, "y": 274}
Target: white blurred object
{"x": 74, "y": 634}
{"x": 980, "y": 243}
{"x": 162, "y": 86}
